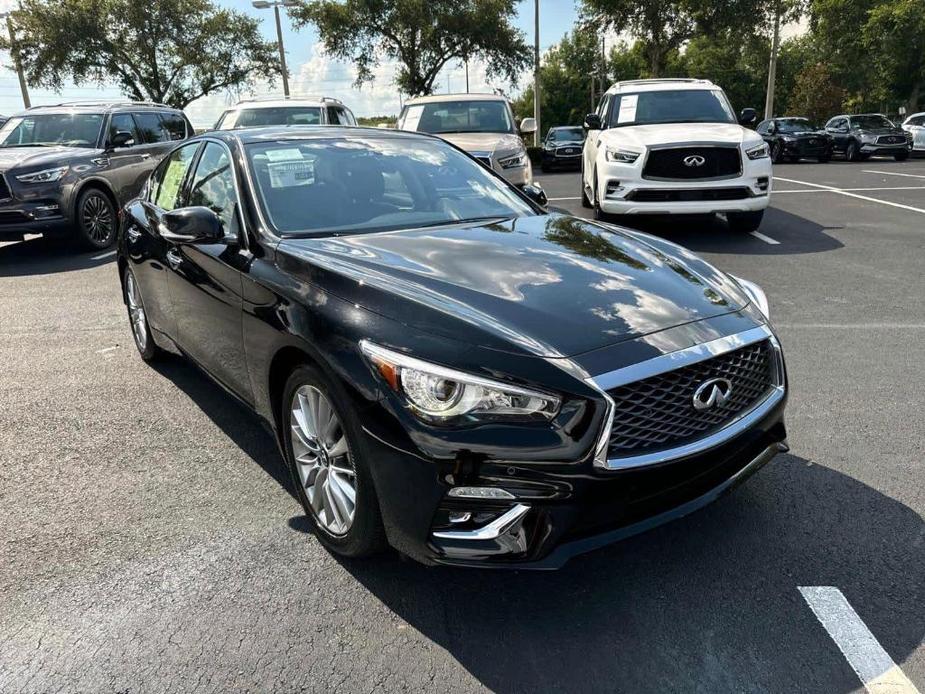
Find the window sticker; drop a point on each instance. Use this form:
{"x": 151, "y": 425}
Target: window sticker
{"x": 627, "y": 112}
{"x": 412, "y": 118}
{"x": 275, "y": 155}
{"x": 288, "y": 174}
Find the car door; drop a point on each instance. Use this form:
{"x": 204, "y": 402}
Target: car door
{"x": 592, "y": 141}
{"x": 146, "y": 248}
{"x": 838, "y": 129}
{"x": 205, "y": 279}
{"x": 126, "y": 170}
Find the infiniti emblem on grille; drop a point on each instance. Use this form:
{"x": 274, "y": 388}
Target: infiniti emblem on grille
{"x": 713, "y": 393}
{"x": 694, "y": 160}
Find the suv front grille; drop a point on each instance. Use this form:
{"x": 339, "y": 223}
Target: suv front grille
{"x": 891, "y": 140}
{"x": 718, "y": 162}
{"x": 658, "y": 412}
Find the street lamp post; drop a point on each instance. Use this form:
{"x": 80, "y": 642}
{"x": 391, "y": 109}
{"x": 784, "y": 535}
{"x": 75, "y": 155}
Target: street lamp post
{"x": 536, "y": 71}
{"x": 14, "y": 53}
{"x": 276, "y": 4}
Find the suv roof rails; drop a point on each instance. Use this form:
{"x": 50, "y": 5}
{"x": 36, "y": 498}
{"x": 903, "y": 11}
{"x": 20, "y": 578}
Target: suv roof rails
{"x": 98, "y": 102}
{"x": 659, "y": 80}
{"x": 291, "y": 97}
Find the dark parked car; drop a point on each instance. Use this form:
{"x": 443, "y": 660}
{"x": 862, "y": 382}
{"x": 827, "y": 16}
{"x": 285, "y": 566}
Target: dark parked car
{"x": 792, "y": 138}
{"x": 860, "y": 136}
{"x": 67, "y": 169}
{"x": 446, "y": 366}
{"x": 562, "y": 148}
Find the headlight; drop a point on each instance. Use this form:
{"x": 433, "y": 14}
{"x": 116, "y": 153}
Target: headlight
{"x": 514, "y": 162}
{"x": 44, "y": 176}
{"x": 756, "y": 294}
{"x": 622, "y": 156}
{"x": 439, "y": 394}
{"x": 759, "y": 152}
{"x": 868, "y": 137}
{"x": 788, "y": 138}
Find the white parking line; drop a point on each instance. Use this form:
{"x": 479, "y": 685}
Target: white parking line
{"x": 893, "y": 173}
{"x": 856, "y": 190}
{"x": 839, "y": 191}
{"x": 103, "y": 255}
{"x": 766, "y": 239}
{"x": 561, "y": 199}
{"x": 864, "y": 653}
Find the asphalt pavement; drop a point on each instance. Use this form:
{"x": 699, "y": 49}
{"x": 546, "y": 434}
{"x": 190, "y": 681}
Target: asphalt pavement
{"x": 150, "y": 540}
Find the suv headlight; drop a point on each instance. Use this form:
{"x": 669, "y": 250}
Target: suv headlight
{"x": 622, "y": 156}
{"x": 441, "y": 395}
{"x": 756, "y": 294}
{"x": 43, "y": 176}
{"x": 758, "y": 152}
{"x": 868, "y": 137}
{"x": 514, "y": 162}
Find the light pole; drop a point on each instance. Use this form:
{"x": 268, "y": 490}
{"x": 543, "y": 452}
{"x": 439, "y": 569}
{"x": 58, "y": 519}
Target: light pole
{"x": 536, "y": 72}
{"x": 772, "y": 66}
{"x": 276, "y": 4}
{"x": 14, "y": 53}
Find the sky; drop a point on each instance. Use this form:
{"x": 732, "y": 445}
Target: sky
{"x": 311, "y": 71}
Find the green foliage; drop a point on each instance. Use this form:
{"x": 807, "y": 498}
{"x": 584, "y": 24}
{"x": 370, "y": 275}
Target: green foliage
{"x": 422, "y": 35}
{"x": 170, "y": 51}
{"x": 894, "y": 35}
{"x": 815, "y": 95}
{"x": 374, "y": 121}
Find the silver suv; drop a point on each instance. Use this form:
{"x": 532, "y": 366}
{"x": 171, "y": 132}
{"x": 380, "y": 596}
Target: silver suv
{"x": 303, "y": 110}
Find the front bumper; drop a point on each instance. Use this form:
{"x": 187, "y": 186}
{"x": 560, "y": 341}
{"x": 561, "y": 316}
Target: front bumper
{"x": 803, "y": 148}
{"x": 552, "y": 160}
{"x": 33, "y": 209}
{"x": 884, "y": 150}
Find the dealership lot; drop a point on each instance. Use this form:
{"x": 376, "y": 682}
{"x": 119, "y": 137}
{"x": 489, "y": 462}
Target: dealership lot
{"x": 151, "y": 541}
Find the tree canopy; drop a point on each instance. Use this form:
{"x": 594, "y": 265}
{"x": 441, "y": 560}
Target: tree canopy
{"x": 169, "y": 51}
{"x": 421, "y": 35}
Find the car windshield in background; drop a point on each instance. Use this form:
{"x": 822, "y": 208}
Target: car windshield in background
{"x": 871, "y": 122}
{"x": 362, "y": 184}
{"x": 796, "y": 126}
{"x": 671, "y": 106}
{"x": 284, "y": 115}
{"x": 48, "y": 129}
{"x": 460, "y": 117}
{"x": 569, "y": 135}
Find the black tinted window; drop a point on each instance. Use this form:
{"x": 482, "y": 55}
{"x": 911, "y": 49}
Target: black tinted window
{"x": 175, "y": 125}
{"x": 282, "y": 115}
{"x": 123, "y": 123}
{"x": 213, "y": 186}
{"x": 152, "y": 127}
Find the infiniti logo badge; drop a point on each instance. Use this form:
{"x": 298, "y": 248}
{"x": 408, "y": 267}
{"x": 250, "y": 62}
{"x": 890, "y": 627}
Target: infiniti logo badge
{"x": 694, "y": 160}
{"x": 713, "y": 393}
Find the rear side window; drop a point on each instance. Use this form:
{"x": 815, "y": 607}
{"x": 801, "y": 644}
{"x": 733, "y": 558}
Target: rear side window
{"x": 152, "y": 127}
{"x": 175, "y": 125}
{"x": 123, "y": 122}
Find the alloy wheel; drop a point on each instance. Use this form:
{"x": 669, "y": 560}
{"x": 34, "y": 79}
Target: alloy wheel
{"x": 97, "y": 218}
{"x": 323, "y": 460}
{"x": 136, "y": 312}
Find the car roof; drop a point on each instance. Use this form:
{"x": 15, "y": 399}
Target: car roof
{"x": 277, "y": 101}
{"x": 655, "y": 85}
{"x": 270, "y": 133}
{"x": 99, "y": 107}
{"x": 438, "y": 98}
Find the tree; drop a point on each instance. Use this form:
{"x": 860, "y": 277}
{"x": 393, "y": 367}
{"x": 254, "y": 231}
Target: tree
{"x": 422, "y": 35}
{"x": 815, "y": 94}
{"x": 895, "y": 35}
{"x": 169, "y": 51}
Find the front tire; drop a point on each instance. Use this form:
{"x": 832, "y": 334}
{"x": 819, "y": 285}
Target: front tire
{"x": 744, "y": 222}
{"x": 585, "y": 201}
{"x": 328, "y": 463}
{"x": 138, "y": 318}
{"x": 95, "y": 217}
{"x": 777, "y": 153}
{"x": 902, "y": 156}
{"x": 853, "y": 151}
{"x": 599, "y": 214}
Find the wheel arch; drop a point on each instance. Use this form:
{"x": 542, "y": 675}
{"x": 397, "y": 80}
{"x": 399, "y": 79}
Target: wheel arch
{"x": 100, "y": 184}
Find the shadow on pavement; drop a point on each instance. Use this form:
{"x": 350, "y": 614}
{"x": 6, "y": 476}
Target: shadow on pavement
{"x": 41, "y": 256}
{"x": 708, "y": 603}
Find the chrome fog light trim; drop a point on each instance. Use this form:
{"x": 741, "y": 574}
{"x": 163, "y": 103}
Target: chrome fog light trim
{"x": 479, "y": 493}
{"x": 507, "y": 523}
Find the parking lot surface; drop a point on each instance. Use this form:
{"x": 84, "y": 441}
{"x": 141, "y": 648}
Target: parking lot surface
{"x": 151, "y": 542}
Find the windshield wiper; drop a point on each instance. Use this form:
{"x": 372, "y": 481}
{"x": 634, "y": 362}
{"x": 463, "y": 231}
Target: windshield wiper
{"x": 28, "y": 144}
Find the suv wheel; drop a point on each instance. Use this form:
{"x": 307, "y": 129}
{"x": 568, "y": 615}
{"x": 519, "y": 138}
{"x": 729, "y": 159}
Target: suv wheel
{"x": 777, "y": 152}
{"x": 96, "y": 220}
{"x": 585, "y": 202}
{"x": 599, "y": 214}
{"x": 853, "y": 151}
{"x": 744, "y": 222}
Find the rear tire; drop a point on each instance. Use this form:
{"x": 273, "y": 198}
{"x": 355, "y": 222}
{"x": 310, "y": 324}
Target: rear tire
{"x": 744, "y": 222}
{"x": 95, "y": 219}
{"x": 138, "y": 319}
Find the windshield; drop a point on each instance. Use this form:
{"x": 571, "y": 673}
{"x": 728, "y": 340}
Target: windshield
{"x": 871, "y": 122}
{"x": 282, "y": 115}
{"x": 368, "y": 183}
{"x": 566, "y": 135}
{"x": 47, "y": 129}
{"x": 671, "y": 106}
{"x": 796, "y": 126}
{"x": 459, "y": 117}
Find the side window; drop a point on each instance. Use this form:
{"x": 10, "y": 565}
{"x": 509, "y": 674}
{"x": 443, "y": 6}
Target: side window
{"x": 123, "y": 122}
{"x": 175, "y": 125}
{"x": 151, "y": 127}
{"x": 213, "y": 186}
{"x": 763, "y": 127}
{"x": 167, "y": 180}
{"x": 346, "y": 118}
{"x": 336, "y": 116}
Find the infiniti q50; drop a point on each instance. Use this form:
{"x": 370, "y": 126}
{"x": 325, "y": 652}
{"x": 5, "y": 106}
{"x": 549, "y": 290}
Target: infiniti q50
{"x": 447, "y": 367}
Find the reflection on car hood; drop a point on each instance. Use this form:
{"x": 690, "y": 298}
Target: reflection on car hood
{"x": 32, "y": 156}
{"x": 484, "y": 142}
{"x": 680, "y": 134}
{"x": 549, "y": 285}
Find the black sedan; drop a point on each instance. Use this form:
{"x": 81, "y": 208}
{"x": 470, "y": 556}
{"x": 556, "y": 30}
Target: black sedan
{"x": 562, "y": 148}
{"x": 447, "y": 367}
{"x": 791, "y": 138}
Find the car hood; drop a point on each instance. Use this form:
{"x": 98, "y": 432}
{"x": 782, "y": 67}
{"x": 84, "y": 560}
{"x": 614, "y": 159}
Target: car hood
{"x": 680, "y": 133}
{"x": 13, "y": 157}
{"x": 548, "y": 285}
{"x": 484, "y": 142}
{"x": 881, "y": 131}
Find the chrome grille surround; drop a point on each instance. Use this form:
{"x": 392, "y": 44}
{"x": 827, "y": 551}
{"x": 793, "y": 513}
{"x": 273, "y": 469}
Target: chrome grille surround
{"x": 737, "y": 421}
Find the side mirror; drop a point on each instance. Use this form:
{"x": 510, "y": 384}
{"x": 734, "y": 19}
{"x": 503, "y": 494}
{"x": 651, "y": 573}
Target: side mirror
{"x": 536, "y": 194}
{"x": 191, "y": 225}
{"x": 122, "y": 139}
{"x": 593, "y": 122}
{"x": 748, "y": 116}
{"x": 528, "y": 126}
{"x": 772, "y": 128}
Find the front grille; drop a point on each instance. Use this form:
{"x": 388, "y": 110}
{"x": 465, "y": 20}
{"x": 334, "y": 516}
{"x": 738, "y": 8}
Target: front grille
{"x": 692, "y": 195}
{"x": 891, "y": 139}
{"x": 4, "y": 189}
{"x": 658, "y": 412}
{"x": 717, "y": 162}
{"x": 568, "y": 152}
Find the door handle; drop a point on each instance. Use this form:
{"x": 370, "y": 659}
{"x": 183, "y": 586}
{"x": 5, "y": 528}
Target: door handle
{"x": 174, "y": 258}
{"x": 144, "y": 155}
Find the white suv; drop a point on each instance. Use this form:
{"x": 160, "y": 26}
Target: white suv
{"x": 674, "y": 146}
{"x": 303, "y": 110}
